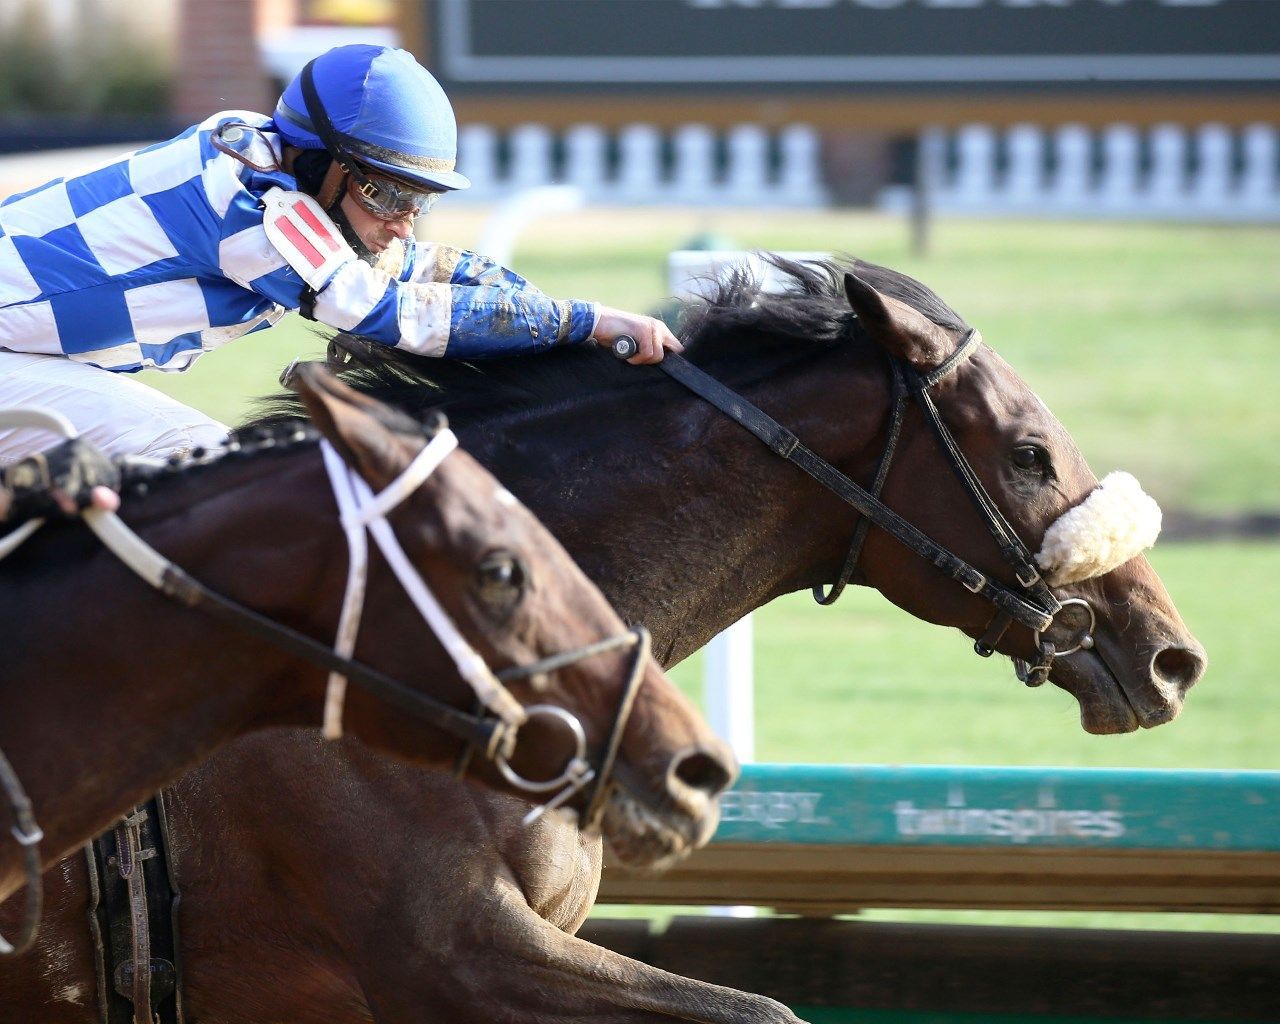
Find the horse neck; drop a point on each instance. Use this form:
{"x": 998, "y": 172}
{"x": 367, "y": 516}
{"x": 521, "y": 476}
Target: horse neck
{"x": 683, "y": 519}
{"x": 114, "y": 689}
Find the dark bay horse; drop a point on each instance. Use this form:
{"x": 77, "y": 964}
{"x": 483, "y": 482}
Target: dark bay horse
{"x": 112, "y": 691}
{"x": 687, "y": 522}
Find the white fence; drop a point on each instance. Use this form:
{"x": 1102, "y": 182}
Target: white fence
{"x": 1169, "y": 172}
{"x": 1172, "y": 172}
{"x": 744, "y": 166}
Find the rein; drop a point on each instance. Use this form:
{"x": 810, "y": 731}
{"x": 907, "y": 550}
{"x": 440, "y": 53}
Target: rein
{"x": 1035, "y": 607}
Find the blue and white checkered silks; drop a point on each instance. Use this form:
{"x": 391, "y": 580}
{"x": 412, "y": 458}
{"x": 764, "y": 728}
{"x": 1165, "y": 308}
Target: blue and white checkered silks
{"x": 161, "y": 256}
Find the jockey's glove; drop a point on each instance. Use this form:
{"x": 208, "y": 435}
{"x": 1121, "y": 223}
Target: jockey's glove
{"x": 73, "y": 469}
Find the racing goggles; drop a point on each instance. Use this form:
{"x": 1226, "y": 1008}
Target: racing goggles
{"x": 388, "y": 199}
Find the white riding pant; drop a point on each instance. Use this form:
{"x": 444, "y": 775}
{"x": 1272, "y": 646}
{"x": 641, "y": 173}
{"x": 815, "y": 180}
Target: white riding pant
{"x": 115, "y": 412}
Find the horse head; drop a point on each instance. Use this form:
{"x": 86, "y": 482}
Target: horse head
{"x": 1115, "y": 642}
{"x": 601, "y": 728}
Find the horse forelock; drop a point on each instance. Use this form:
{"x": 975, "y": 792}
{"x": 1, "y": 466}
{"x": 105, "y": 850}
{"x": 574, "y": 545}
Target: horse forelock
{"x": 734, "y": 321}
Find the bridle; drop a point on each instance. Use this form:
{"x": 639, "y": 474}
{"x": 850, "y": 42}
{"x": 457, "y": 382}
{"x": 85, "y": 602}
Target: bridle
{"x": 360, "y": 510}
{"x": 1032, "y": 603}
{"x": 578, "y": 772}
{"x": 494, "y": 733}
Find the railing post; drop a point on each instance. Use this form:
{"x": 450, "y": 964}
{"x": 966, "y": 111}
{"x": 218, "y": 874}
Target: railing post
{"x": 478, "y": 159}
{"x": 639, "y": 171}
{"x": 530, "y": 156}
{"x": 693, "y": 180}
{"x": 1211, "y": 186}
{"x": 1069, "y": 188}
{"x": 1024, "y": 182}
{"x": 800, "y": 173}
{"x": 1167, "y": 184}
{"x": 973, "y": 187}
{"x": 584, "y": 159}
{"x": 1118, "y": 182}
{"x": 1258, "y": 181}
{"x": 747, "y": 172}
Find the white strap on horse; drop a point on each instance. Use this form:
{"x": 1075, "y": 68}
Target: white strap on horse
{"x": 361, "y": 509}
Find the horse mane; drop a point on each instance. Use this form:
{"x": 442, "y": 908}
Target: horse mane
{"x": 737, "y": 316}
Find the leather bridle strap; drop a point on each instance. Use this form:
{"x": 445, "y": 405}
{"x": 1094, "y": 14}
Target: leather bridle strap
{"x": 896, "y": 416}
{"x": 28, "y": 834}
{"x": 491, "y": 735}
{"x": 487, "y": 733}
{"x": 783, "y": 442}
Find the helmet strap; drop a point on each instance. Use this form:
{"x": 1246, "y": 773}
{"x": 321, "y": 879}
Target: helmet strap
{"x": 332, "y": 186}
{"x": 339, "y": 217}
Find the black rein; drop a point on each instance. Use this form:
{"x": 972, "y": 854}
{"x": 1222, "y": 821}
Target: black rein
{"x": 1036, "y": 613}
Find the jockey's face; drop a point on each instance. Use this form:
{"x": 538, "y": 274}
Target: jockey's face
{"x": 374, "y": 232}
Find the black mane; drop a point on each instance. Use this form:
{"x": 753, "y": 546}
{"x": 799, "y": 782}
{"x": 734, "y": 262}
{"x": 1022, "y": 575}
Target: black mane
{"x": 736, "y": 317}
{"x": 141, "y": 477}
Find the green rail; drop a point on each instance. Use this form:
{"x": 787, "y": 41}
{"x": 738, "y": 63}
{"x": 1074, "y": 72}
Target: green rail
{"x": 1003, "y": 807}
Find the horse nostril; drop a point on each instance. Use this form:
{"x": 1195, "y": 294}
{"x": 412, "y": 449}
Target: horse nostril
{"x": 703, "y": 771}
{"x": 1179, "y": 667}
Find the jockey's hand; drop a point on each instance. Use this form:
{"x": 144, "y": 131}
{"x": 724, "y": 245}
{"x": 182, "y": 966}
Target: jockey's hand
{"x": 61, "y": 481}
{"x": 653, "y": 337}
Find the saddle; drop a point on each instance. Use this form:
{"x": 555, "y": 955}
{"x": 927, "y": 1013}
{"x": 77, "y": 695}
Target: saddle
{"x": 133, "y": 920}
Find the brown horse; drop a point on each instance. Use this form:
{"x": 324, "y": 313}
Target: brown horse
{"x": 456, "y": 915}
{"x": 95, "y": 727}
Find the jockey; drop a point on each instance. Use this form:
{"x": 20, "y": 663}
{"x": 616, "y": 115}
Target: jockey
{"x": 184, "y": 246}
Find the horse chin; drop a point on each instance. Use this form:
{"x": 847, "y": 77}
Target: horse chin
{"x": 1104, "y": 705}
{"x": 652, "y": 840}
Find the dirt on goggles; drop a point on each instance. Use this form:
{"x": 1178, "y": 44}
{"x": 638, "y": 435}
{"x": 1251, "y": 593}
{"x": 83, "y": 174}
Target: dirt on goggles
{"x": 391, "y": 199}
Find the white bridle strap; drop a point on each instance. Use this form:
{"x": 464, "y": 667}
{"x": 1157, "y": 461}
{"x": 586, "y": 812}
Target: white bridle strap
{"x": 353, "y": 597}
{"x": 360, "y": 509}
{"x": 415, "y": 475}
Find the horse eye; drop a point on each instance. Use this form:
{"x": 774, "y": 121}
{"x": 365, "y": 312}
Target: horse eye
{"x": 500, "y": 578}
{"x": 1030, "y": 456}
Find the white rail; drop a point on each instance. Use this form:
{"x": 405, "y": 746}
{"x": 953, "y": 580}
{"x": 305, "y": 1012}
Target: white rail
{"x": 747, "y": 165}
{"x": 1208, "y": 172}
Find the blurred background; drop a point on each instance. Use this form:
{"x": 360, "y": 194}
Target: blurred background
{"x": 1094, "y": 183}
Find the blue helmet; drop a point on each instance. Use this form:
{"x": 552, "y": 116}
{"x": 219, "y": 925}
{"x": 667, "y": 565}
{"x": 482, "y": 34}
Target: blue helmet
{"x": 378, "y": 107}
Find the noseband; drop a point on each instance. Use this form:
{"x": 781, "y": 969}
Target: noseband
{"x": 1032, "y": 603}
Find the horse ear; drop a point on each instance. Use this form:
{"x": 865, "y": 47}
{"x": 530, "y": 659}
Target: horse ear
{"x": 897, "y": 328}
{"x": 351, "y": 423}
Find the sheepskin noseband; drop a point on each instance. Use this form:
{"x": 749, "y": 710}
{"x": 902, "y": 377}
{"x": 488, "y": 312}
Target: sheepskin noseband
{"x": 1116, "y": 522}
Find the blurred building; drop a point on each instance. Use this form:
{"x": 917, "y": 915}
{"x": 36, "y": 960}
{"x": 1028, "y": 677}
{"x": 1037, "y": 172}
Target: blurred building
{"x": 1126, "y": 107}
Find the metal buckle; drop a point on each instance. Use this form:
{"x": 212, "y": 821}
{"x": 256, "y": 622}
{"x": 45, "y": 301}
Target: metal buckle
{"x": 1028, "y": 584}
{"x": 577, "y": 773}
{"x": 32, "y": 838}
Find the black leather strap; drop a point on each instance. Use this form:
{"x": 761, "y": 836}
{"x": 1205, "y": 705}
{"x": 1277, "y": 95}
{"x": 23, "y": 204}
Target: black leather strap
{"x": 489, "y": 734}
{"x": 860, "y": 531}
{"x": 783, "y": 442}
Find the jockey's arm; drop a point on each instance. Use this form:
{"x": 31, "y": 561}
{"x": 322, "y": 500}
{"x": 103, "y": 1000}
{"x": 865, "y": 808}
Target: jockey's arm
{"x": 445, "y": 264}
{"x": 439, "y": 302}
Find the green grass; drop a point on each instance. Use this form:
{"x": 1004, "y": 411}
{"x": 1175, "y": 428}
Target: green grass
{"x": 864, "y": 682}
